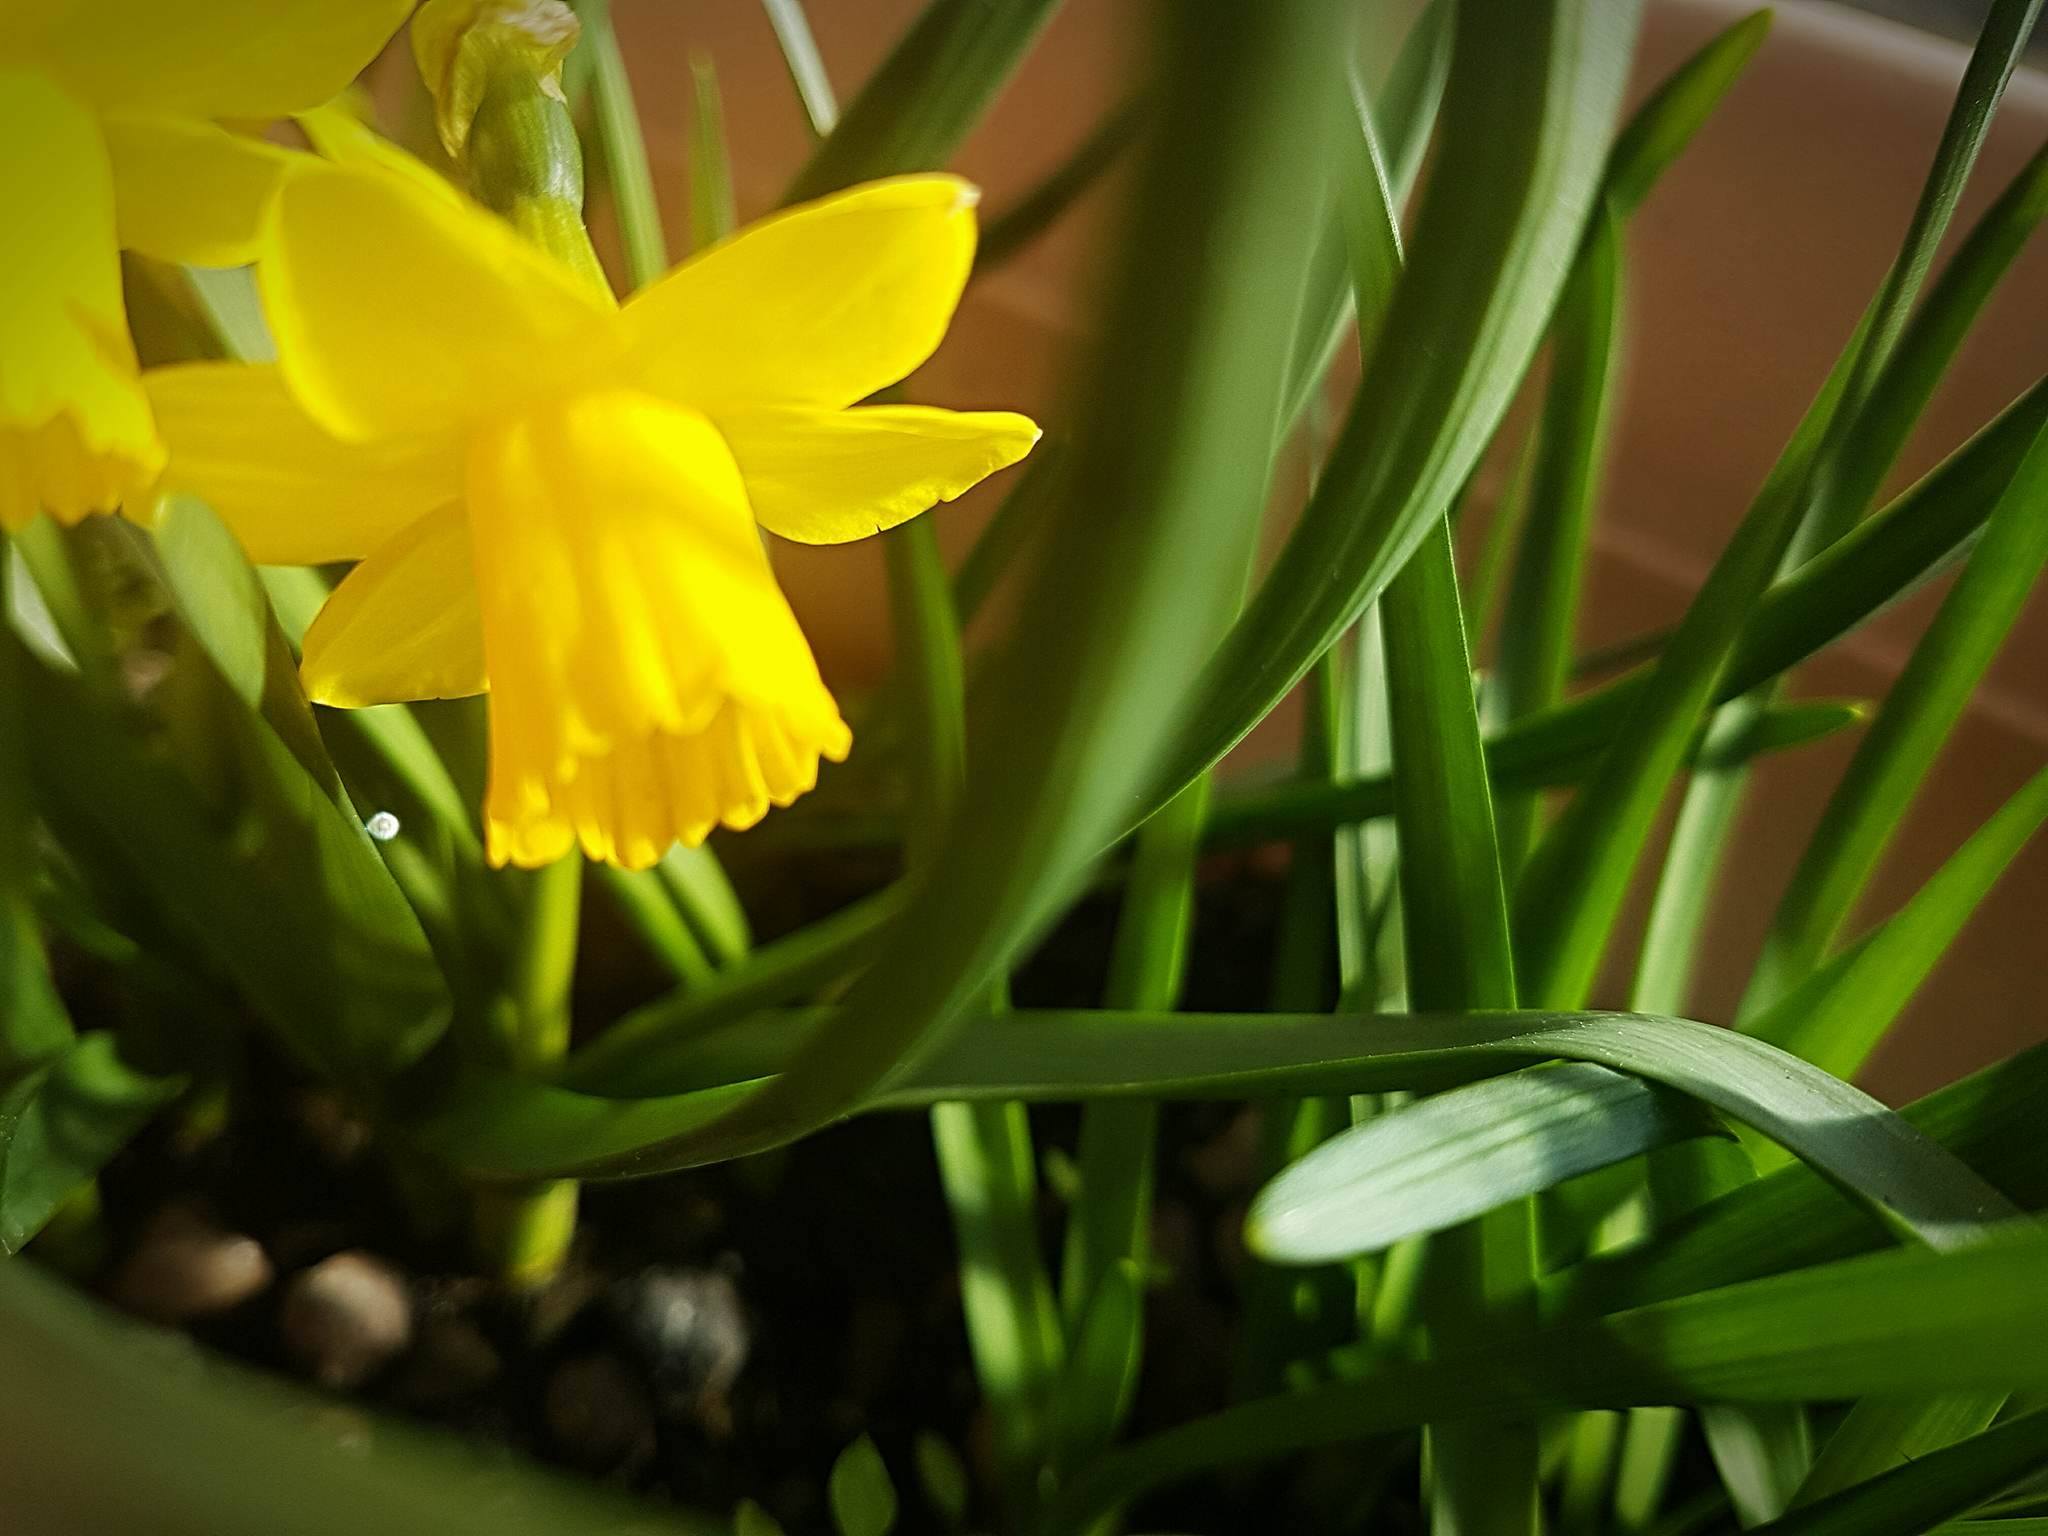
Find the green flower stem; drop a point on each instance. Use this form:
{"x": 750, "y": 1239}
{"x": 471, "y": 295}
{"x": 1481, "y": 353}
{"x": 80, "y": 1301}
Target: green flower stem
{"x": 523, "y": 161}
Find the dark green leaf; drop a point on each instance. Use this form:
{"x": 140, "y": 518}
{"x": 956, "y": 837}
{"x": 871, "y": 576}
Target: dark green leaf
{"x": 1908, "y": 1320}
{"x": 61, "y": 1121}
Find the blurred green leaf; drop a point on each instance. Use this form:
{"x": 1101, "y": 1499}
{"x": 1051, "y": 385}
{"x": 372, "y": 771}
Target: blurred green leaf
{"x": 33, "y": 1023}
{"x": 110, "y": 1425}
{"x": 712, "y": 215}
{"x": 623, "y": 149}
{"x": 1101, "y": 1375}
{"x": 806, "y": 67}
{"x": 1017, "y": 226}
{"x": 930, "y": 91}
{"x": 61, "y": 1121}
{"x": 293, "y": 902}
{"x": 943, "y": 1476}
{"x": 217, "y": 593}
{"x": 863, "y": 1497}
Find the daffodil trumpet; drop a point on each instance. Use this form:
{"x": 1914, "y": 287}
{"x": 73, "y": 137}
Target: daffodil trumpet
{"x": 110, "y": 138}
{"x": 559, "y": 500}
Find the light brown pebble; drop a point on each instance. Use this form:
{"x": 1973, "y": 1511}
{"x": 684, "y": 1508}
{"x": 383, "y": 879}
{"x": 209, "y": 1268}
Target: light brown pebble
{"x": 346, "y": 1318}
{"x": 185, "y": 1268}
{"x": 599, "y": 1414}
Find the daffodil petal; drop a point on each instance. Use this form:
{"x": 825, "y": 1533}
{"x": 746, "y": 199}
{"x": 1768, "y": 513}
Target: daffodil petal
{"x": 821, "y": 305}
{"x": 75, "y": 430}
{"x": 336, "y": 132}
{"x": 191, "y": 192}
{"x": 215, "y": 58}
{"x": 648, "y": 680}
{"x": 293, "y": 493}
{"x": 827, "y": 477}
{"x": 402, "y": 625}
{"x": 398, "y": 310}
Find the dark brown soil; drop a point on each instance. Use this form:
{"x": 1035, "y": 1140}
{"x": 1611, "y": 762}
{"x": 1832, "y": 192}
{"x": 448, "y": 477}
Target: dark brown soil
{"x": 724, "y": 1334}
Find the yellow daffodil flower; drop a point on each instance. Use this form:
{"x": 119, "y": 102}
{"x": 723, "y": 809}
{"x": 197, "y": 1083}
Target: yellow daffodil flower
{"x": 557, "y": 499}
{"x": 108, "y": 139}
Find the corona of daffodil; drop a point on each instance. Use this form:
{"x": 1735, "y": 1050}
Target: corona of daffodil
{"x": 557, "y": 499}
{"x": 109, "y": 138}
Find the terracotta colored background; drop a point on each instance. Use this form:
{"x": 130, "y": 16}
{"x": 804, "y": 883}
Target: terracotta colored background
{"x": 1747, "y": 270}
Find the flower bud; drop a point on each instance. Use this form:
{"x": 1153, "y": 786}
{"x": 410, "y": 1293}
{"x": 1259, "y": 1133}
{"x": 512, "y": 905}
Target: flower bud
{"x": 462, "y": 46}
{"x": 495, "y": 69}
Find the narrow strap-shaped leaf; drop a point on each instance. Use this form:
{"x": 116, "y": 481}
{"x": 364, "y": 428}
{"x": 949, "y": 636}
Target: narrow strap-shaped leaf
{"x": 1860, "y": 575}
{"x": 1826, "y": 513}
{"x": 933, "y": 87}
{"x": 506, "y": 1128}
{"x": 712, "y": 216}
{"x": 649, "y": 1045}
{"x": 1017, "y": 226}
{"x": 986, "y": 1163}
{"x": 806, "y": 66}
{"x": 1989, "y": 1120}
{"x": 1570, "y": 891}
{"x": 1541, "y": 617}
{"x": 1888, "y": 1430}
{"x": 1911, "y": 727}
{"x": 1894, "y": 1321}
{"x": 1660, "y": 129}
{"x": 1532, "y": 97}
{"x": 1935, "y": 334}
{"x": 1452, "y": 899}
{"x": 1433, "y": 1164}
{"x": 1938, "y": 1486}
{"x": 1839, "y": 1014}
{"x": 1281, "y": 809}
{"x": 1397, "y": 126}
{"x": 1575, "y": 884}
{"x": 624, "y": 150}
